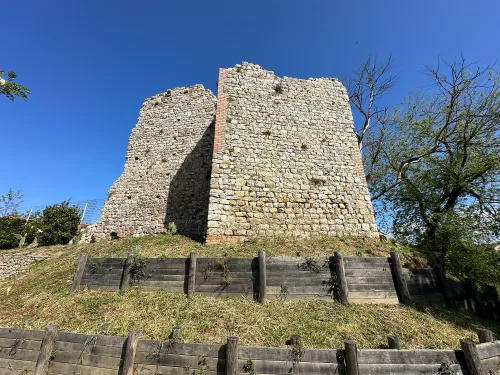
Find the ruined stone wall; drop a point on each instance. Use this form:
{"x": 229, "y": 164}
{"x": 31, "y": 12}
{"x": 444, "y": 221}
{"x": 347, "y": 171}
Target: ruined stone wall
{"x": 13, "y": 264}
{"x": 286, "y": 160}
{"x": 167, "y": 173}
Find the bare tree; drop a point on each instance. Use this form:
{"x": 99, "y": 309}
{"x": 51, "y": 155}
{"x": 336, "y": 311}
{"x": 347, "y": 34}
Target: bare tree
{"x": 10, "y": 202}
{"x": 365, "y": 87}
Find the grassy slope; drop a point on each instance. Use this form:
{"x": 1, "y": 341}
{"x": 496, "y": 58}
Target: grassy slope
{"x": 41, "y": 297}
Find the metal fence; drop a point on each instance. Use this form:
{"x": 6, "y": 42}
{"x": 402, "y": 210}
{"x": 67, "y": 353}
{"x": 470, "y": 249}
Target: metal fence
{"x": 90, "y": 210}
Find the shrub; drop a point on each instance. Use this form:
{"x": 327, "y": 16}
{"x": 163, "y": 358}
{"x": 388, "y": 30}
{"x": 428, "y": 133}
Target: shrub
{"x": 58, "y": 224}
{"x": 10, "y": 229}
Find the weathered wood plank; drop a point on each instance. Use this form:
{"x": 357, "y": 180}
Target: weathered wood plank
{"x": 20, "y": 333}
{"x": 7, "y": 344}
{"x": 68, "y": 368}
{"x": 491, "y": 365}
{"x": 376, "y": 356}
{"x": 177, "y": 360}
{"x": 190, "y": 349}
{"x": 99, "y": 340}
{"x": 86, "y": 359}
{"x": 19, "y": 354}
{"x": 488, "y": 350}
{"x": 284, "y": 354}
{"x": 191, "y": 286}
{"x": 364, "y": 272}
{"x": 291, "y": 367}
{"x": 90, "y": 348}
{"x": 390, "y": 369}
{"x": 359, "y": 295}
{"x": 385, "y": 278}
{"x": 371, "y": 288}
{"x": 167, "y": 370}
{"x": 17, "y": 364}
{"x": 80, "y": 268}
{"x": 232, "y": 355}
{"x": 377, "y": 301}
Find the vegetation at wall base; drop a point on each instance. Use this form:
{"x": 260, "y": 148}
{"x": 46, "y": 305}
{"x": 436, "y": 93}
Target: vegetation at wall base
{"x": 42, "y": 297}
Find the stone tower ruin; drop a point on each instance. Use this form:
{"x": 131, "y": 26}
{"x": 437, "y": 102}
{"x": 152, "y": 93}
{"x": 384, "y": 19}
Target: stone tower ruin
{"x": 269, "y": 156}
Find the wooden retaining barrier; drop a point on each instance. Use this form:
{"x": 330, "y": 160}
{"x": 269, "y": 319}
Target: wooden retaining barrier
{"x": 22, "y": 351}
{"x": 347, "y": 279}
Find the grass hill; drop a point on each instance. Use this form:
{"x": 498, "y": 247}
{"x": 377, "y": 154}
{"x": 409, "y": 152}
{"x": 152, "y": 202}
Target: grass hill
{"x": 41, "y": 297}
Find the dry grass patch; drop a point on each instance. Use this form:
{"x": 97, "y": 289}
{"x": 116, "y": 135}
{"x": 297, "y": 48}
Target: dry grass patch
{"x": 41, "y": 297}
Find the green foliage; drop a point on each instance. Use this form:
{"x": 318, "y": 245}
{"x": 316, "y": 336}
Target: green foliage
{"x": 433, "y": 166}
{"x": 10, "y": 202}
{"x": 11, "y": 89}
{"x": 138, "y": 269}
{"x": 446, "y": 369}
{"x": 14, "y": 232}
{"x": 248, "y": 367}
{"x": 59, "y": 224}
{"x": 172, "y": 228}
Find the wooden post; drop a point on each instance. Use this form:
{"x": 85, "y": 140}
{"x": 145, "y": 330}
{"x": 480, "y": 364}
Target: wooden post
{"x": 176, "y": 333}
{"x": 393, "y": 342}
{"x": 471, "y": 357}
{"x": 42, "y": 364}
{"x": 351, "y": 357}
{"x": 192, "y": 274}
{"x": 343, "y": 292}
{"x": 484, "y": 335}
{"x": 80, "y": 268}
{"x": 400, "y": 279}
{"x": 130, "y": 350}
{"x": 262, "y": 276}
{"x": 445, "y": 286}
{"x": 125, "y": 282}
{"x": 472, "y": 291}
{"x": 232, "y": 355}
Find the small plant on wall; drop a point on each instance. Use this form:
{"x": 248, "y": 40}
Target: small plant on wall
{"x": 138, "y": 269}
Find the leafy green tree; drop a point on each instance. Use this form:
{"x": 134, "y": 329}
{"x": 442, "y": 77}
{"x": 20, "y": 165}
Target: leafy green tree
{"x": 10, "y": 202}
{"x": 434, "y": 163}
{"x": 59, "y": 224}
{"x": 11, "y": 89}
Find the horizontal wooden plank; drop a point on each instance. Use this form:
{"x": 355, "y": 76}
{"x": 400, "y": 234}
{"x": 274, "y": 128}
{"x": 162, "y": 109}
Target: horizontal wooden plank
{"x": 7, "y": 344}
{"x": 283, "y": 354}
{"x": 364, "y": 272}
{"x": 353, "y": 295}
{"x": 290, "y": 366}
{"x": 16, "y": 364}
{"x": 298, "y": 281}
{"x": 375, "y": 356}
{"x": 104, "y": 262}
{"x": 89, "y": 348}
{"x": 99, "y": 340}
{"x": 7, "y": 371}
{"x": 367, "y": 265}
{"x": 86, "y": 359}
{"x": 218, "y": 280}
{"x": 231, "y": 288}
{"x": 371, "y": 288}
{"x": 420, "y": 369}
{"x": 166, "y": 370}
{"x": 491, "y": 365}
{"x": 385, "y": 278}
{"x": 159, "y": 288}
{"x": 177, "y": 360}
{"x": 363, "y": 259}
{"x": 19, "y": 354}
{"x": 20, "y": 333}
{"x": 488, "y": 349}
{"x": 189, "y": 349}
{"x": 69, "y": 369}
{"x": 310, "y": 289}
{"x": 104, "y": 288}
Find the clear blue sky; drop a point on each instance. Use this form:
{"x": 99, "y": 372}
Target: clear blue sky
{"x": 90, "y": 64}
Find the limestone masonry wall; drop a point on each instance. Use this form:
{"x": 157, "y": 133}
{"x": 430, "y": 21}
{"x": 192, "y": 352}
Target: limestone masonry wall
{"x": 286, "y": 160}
{"x": 11, "y": 265}
{"x": 167, "y": 172}
{"x": 270, "y": 156}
